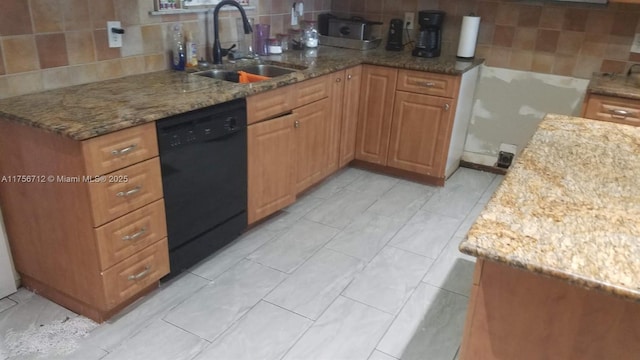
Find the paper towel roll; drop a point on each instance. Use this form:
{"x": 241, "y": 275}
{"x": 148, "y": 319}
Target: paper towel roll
{"x": 468, "y": 36}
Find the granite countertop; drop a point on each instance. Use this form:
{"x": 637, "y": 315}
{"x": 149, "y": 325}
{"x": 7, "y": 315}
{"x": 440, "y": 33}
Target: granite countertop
{"x": 618, "y": 85}
{"x": 570, "y": 207}
{"x": 84, "y": 111}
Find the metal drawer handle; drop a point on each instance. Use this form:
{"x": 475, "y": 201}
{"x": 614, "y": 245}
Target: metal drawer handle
{"x": 622, "y": 114}
{"x": 124, "y": 151}
{"x": 143, "y": 273}
{"x": 446, "y": 107}
{"x": 425, "y": 84}
{"x": 296, "y": 124}
{"x": 129, "y": 192}
{"x": 338, "y": 80}
{"x": 134, "y": 236}
{"x": 349, "y": 77}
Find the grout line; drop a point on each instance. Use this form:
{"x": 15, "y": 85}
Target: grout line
{"x": 287, "y": 310}
{"x": 185, "y": 330}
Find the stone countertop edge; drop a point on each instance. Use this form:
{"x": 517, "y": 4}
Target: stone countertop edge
{"x": 614, "y": 85}
{"x": 84, "y": 111}
{"x": 566, "y": 218}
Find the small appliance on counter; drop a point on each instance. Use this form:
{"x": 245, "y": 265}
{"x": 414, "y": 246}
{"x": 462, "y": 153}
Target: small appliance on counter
{"x": 352, "y": 33}
{"x": 394, "y": 38}
{"x": 429, "y": 41}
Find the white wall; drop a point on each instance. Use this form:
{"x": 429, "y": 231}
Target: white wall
{"x": 509, "y": 105}
{"x": 8, "y": 276}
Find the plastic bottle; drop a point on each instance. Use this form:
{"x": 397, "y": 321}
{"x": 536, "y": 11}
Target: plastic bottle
{"x": 179, "y": 58}
{"x": 192, "y": 51}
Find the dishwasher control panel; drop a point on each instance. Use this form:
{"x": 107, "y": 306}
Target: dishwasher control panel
{"x": 201, "y": 125}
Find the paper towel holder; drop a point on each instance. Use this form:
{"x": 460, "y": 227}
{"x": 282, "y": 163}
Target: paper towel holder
{"x": 468, "y": 37}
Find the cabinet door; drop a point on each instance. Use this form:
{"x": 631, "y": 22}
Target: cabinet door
{"x": 271, "y": 166}
{"x": 374, "y": 118}
{"x": 349, "y": 127}
{"x": 336, "y": 98}
{"x": 420, "y": 133}
{"x": 311, "y": 143}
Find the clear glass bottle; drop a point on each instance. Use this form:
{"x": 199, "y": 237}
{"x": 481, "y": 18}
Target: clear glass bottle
{"x": 310, "y": 34}
{"x": 179, "y": 58}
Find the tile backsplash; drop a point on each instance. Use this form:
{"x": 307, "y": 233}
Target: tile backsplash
{"x": 570, "y": 39}
{"x": 48, "y": 44}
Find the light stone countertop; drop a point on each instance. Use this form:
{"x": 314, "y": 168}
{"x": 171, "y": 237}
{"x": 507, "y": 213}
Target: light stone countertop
{"x": 84, "y": 111}
{"x": 570, "y": 207}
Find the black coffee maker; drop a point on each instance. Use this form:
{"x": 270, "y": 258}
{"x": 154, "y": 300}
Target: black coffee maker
{"x": 430, "y": 37}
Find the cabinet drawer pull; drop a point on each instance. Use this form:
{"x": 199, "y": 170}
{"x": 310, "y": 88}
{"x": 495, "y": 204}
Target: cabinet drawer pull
{"x": 296, "y": 124}
{"x": 134, "y": 236}
{"x": 140, "y": 275}
{"x": 129, "y": 192}
{"x": 446, "y": 107}
{"x": 619, "y": 113}
{"x": 349, "y": 77}
{"x": 338, "y": 80}
{"x": 425, "y": 83}
{"x": 124, "y": 151}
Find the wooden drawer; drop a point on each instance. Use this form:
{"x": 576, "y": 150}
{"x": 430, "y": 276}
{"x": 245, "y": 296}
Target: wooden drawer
{"x": 269, "y": 104}
{"x": 125, "y": 279}
{"x": 428, "y": 83}
{"x": 608, "y": 108}
{"x": 312, "y": 90}
{"x": 125, "y": 190}
{"x": 114, "y": 151}
{"x": 131, "y": 233}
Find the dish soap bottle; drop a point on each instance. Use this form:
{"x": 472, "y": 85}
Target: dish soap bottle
{"x": 192, "y": 51}
{"x": 179, "y": 57}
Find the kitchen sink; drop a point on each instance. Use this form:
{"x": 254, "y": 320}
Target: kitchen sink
{"x": 267, "y": 70}
{"x": 226, "y": 75}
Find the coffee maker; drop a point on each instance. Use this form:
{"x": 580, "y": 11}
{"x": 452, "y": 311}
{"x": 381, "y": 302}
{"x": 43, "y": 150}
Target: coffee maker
{"x": 430, "y": 37}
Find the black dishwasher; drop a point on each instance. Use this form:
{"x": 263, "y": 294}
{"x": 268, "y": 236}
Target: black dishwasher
{"x": 203, "y": 157}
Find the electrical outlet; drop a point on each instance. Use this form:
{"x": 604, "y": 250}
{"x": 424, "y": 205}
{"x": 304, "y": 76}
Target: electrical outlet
{"x": 506, "y": 155}
{"x": 409, "y": 20}
{"x": 635, "y": 46}
{"x": 115, "y": 39}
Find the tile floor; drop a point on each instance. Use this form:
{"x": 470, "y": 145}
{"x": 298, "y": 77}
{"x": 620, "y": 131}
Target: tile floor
{"x": 364, "y": 266}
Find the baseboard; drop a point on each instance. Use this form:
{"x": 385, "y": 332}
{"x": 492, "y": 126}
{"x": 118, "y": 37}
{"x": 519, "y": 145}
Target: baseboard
{"x": 486, "y": 168}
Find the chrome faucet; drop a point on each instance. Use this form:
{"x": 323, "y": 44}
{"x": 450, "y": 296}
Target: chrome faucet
{"x": 217, "y": 49}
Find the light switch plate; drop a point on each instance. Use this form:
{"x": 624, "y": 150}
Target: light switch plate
{"x": 635, "y": 46}
{"x": 115, "y": 40}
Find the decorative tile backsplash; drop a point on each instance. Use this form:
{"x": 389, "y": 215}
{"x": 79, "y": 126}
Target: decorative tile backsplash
{"x": 48, "y": 44}
{"x": 542, "y": 36}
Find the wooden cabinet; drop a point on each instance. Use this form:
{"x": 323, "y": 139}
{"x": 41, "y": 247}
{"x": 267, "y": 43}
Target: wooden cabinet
{"x": 311, "y": 135}
{"x": 344, "y": 101}
{"x": 289, "y": 153}
{"x": 377, "y": 93}
{"x": 419, "y": 133}
{"x": 271, "y": 166}
{"x": 406, "y": 121}
{"x": 88, "y": 231}
{"x": 518, "y": 314}
{"x": 349, "y": 114}
{"x": 614, "y": 109}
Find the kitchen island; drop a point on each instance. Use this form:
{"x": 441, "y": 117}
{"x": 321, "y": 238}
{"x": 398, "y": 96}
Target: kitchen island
{"x": 558, "y": 247}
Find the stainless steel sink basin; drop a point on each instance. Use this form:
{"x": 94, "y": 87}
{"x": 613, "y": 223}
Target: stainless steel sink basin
{"x": 267, "y": 70}
{"x": 259, "y": 69}
{"x": 227, "y": 75}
